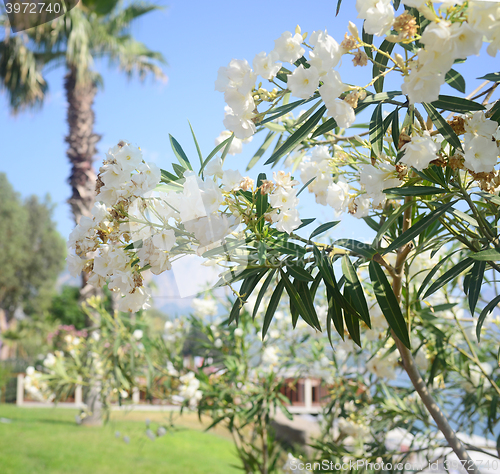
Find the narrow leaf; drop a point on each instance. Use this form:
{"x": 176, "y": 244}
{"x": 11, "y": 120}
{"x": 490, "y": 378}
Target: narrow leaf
{"x": 415, "y": 191}
{"x": 487, "y": 310}
{"x": 489, "y": 255}
{"x": 418, "y": 228}
{"x": 388, "y": 303}
{"x": 476, "y": 280}
{"x": 353, "y": 285}
{"x": 443, "y": 126}
{"x": 380, "y": 64}
{"x": 323, "y": 228}
{"x": 179, "y": 153}
{"x": 296, "y": 138}
{"x": 273, "y": 305}
{"x": 456, "y": 104}
{"x": 449, "y": 275}
{"x": 455, "y": 80}
{"x": 377, "y": 131}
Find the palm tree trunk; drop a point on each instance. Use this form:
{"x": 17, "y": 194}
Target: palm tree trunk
{"x": 81, "y": 151}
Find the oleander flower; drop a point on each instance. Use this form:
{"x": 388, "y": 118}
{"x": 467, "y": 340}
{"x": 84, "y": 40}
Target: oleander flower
{"x": 288, "y": 47}
{"x": 303, "y": 82}
{"x": 419, "y": 152}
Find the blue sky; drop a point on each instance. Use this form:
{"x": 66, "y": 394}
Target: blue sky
{"x": 196, "y": 38}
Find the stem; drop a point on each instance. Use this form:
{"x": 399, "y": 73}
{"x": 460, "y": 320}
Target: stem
{"x": 412, "y": 369}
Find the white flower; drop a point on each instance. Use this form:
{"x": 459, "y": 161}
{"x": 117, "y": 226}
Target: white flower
{"x": 235, "y": 148}
{"x": 133, "y": 302}
{"x": 379, "y": 15}
{"x": 338, "y": 194}
{"x": 240, "y": 104}
{"x": 342, "y": 112}
{"x": 419, "y": 152}
{"x": 75, "y": 264}
{"x": 283, "y": 198}
{"x": 148, "y": 178}
{"x": 289, "y": 47}
{"x": 164, "y": 240}
{"x": 332, "y": 88}
{"x": 375, "y": 180}
{"x": 214, "y": 166}
{"x": 218, "y": 343}
{"x": 303, "y": 82}
{"x": 288, "y": 221}
{"x": 238, "y": 332}
{"x": 362, "y": 206}
{"x": 266, "y": 65}
{"x": 326, "y": 53}
{"x": 481, "y": 154}
{"x": 242, "y": 126}
{"x": 205, "y": 307}
{"x": 231, "y": 180}
{"x": 128, "y": 157}
{"x": 238, "y": 75}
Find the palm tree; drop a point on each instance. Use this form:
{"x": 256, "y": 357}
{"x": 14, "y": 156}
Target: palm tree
{"x": 94, "y": 29}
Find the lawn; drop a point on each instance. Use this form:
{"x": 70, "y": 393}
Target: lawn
{"x": 47, "y": 440}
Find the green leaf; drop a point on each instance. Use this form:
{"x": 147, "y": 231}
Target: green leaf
{"x": 284, "y": 109}
{"x": 308, "y": 314}
{"x": 456, "y": 104}
{"x": 368, "y": 39}
{"x": 262, "y": 291}
{"x": 377, "y": 131}
{"x": 390, "y": 220}
{"x": 489, "y": 255}
{"x": 487, "y": 310}
{"x": 494, "y": 112}
{"x": 323, "y": 228}
{"x": 299, "y": 272}
{"x": 200, "y": 156}
{"x": 388, "y": 303}
{"x": 179, "y": 170}
{"x": 415, "y": 191}
{"x": 296, "y": 138}
{"x": 246, "y": 290}
{"x": 227, "y": 147}
{"x": 476, "y": 280}
{"x": 351, "y": 320}
{"x": 395, "y": 129}
{"x": 339, "y": 2}
{"x": 380, "y": 97}
{"x": 360, "y": 248}
{"x": 431, "y": 274}
{"x": 334, "y": 314}
{"x": 353, "y": 286}
{"x": 273, "y": 305}
{"x": 262, "y": 202}
{"x": 179, "y": 153}
{"x": 330, "y": 124}
{"x": 443, "y": 126}
{"x": 307, "y": 299}
{"x": 492, "y": 76}
{"x": 396, "y": 4}
{"x": 419, "y": 227}
{"x": 455, "y": 80}
{"x": 449, "y": 275}
{"x": 380, "y": 64}
{"x": 263, "y": 148}
{"x": 306, "y": 184}
{"x": 221, "y": 145}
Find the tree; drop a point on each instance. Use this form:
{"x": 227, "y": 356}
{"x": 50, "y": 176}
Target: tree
{"x": 94, "y": 29}
{"x": 32, "y": 255}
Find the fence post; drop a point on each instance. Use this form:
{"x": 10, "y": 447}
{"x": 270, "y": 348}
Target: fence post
{"x": 20, "y": 390}
{"x": 136, "y": 395}
{"x": 308, "y": 394}
{"x": 78, "y": 396}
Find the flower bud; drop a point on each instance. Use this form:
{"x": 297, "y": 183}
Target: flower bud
{"x": 353, "y": 29}
{"x": 399, "y": 60}
{"x": 298, "y": 30}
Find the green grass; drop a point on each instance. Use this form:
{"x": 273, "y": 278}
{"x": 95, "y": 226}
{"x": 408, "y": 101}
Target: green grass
{"x": 47, "y": 440}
